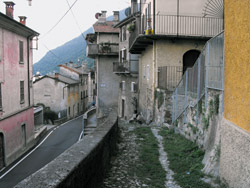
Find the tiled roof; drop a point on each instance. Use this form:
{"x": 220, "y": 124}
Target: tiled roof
{"x": 78, "y": 71}
{"x": 106, "y": 27}
{"x": 60, "y": 78}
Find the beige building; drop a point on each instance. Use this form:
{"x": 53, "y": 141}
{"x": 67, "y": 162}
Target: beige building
{"x": 169, "y": 36}
{"x": 78, "y": 73}
{"x": 103, "y": 47}
{"x": 60, "y": 93}
{"x": 127, "y": 67}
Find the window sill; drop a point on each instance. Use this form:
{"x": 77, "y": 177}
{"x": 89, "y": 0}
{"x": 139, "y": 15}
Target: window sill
{"x": 22, "y": 102}
{"x": 21, "y": 63}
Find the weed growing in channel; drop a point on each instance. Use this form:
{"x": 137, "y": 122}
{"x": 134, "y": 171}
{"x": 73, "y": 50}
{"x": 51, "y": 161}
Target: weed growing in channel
{"x": 149, "y": 170}
{"x": 185, "y": 160}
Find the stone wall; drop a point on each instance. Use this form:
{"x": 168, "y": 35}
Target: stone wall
{"x": 82, "y": 165}
{"x": 205, "y": 130}
{"x": 235, "y": 152}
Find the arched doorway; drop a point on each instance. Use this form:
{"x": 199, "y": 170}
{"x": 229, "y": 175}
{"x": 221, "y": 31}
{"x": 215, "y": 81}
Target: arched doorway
{"x": 189, "y": 59}
{"x": 1, "y": 151}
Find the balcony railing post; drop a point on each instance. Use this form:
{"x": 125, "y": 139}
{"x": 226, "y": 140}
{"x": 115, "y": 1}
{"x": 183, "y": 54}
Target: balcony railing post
{"x": 198, "y": 90}
{"x": 186, "y": 86}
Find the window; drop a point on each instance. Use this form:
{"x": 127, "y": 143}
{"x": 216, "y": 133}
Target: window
{"x": 123, "y": 85}
{"x": 21, "y": 91}
{"x": 133, "y": 87}
{"x": 20, "y": 51}
{"x": 123, "y": 33}
{"x": 1, "y": 106}
{"x": 147, "y": 72}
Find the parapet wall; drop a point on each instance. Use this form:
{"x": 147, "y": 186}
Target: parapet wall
{"x": 82, "y": 165}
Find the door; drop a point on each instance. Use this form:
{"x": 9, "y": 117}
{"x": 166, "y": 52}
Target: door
{"x": 1, "y": 151}
{"x": 123, "y": 107}
{"x": 189, "y": 59}
{"x": 23, "y": 135}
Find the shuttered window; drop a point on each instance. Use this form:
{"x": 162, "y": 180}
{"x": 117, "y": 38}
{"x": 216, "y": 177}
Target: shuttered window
{"x": 21, "y": 52}
{"x": 21, "y": 91}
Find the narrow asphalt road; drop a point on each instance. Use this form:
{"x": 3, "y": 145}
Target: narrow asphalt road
{"x": 59, "y": 140}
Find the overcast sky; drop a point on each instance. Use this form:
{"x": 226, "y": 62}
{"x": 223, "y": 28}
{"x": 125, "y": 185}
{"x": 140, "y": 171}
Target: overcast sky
{"x": 44, "y": 14}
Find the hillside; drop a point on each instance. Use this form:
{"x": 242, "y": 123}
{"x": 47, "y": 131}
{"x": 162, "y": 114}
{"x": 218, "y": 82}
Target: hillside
{"x": 70, "y": 51}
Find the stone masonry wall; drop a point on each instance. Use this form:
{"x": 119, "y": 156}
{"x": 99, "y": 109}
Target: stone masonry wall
{"x": 82, "y": 165}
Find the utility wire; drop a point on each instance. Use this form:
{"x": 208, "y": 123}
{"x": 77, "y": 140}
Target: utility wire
{"x": 59, "y": 19}
{"x": 52, "y": 53}
{"x": 76, "y": 21}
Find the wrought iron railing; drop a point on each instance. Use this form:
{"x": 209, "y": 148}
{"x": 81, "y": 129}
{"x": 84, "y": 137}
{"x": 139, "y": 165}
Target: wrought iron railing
{"x": 207, "y": 72}
{"x": 177, "y": 26}
{"x": 169, "y": 77}
{"x": 102, "y": 49}
{"x": 126, "y": 67}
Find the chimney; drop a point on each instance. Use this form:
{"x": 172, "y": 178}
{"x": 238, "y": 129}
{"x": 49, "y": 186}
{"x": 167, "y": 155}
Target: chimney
{"x": 116, "y": 16}
{"x": 9, "y": 8}
{"x": 102, "y": 17}
{"x": 71, "y": 64}
{"x": 22, "y": 19}
{"x": 134, "y": 7}
{"x": 56, "y": 75}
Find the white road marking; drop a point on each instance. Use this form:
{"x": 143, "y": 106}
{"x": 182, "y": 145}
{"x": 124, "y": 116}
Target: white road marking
{"x": 34, "y": 149}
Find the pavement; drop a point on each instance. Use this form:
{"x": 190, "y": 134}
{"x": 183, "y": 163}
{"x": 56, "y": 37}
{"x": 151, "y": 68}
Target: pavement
{"x": 57, "y": 140}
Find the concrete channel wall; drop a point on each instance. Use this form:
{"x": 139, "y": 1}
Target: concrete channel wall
{"x": 82, "y": 165}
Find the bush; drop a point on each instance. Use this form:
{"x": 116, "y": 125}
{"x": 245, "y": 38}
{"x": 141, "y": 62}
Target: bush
{"x": 50, "y": 115}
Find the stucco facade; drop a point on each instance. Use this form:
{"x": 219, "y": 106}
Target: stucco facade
{"x": 103, "y": 47}
{"x": 16, "y": 109}
{"x": 169, "y": 36}
{"x": 236, "y": 126}
{"x": 60, "y": 94}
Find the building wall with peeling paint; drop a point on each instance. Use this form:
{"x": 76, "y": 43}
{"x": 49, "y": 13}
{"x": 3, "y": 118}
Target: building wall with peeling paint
{"x": 16, "y": 117}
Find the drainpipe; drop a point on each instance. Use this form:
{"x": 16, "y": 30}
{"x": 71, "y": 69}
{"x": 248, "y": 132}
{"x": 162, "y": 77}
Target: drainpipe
{"x": 177, "y": 18}
{"x": 28, "y": 64}
{"x": 154, "y": 17}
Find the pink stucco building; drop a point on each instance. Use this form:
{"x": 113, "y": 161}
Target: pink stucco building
{"x": 16, "y": 94}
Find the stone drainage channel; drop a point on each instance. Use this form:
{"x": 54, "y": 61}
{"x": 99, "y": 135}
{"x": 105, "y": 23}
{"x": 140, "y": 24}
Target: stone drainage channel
{"x": 169, "y": 183}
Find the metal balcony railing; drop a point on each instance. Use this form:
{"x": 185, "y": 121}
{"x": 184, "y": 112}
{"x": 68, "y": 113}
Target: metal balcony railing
{"x": 126, "y": 67}
{"x": 176, "y": 26}
{"x": 102, "y": 49}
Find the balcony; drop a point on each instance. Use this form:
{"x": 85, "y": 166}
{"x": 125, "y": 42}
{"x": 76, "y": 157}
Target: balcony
{"x": 172, "y": 26}
{"x": 126, "y": 67}
{"x": 104, "y": 49}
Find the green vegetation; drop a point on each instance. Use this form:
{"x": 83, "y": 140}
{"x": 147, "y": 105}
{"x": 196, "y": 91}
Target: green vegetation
{"x": 159, "y": 95}
{"x": 193, "y": 128}
{"x": 205, "y": 122}
{"x": 200, "y": 106}
{"x": 185, "y": 160}
{"x": 149, "y": 170}
{"x": 217, "y": 103}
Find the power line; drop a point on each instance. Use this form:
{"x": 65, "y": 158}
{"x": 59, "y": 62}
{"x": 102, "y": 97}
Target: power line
{"x": 76, "y": 21}
{"x": 52, "y": 52}
{"x": 59, "y": 19}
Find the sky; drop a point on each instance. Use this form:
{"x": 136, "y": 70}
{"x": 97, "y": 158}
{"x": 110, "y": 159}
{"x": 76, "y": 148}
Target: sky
{"x": 42, "y": 16}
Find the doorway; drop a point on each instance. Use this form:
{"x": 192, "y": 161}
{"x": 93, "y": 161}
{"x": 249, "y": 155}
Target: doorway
{"x": 23, "y": 135}
{"x": 189, "y": 59}
{"x": 1, "y": 151}
{"x": 123, "y": 108}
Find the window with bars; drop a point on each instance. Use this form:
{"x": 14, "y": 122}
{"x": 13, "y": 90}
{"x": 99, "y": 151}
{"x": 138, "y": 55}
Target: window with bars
{"x": 21, "y": 52}
{"x": 1, "y": 105}
{"x": 21, "y": 91}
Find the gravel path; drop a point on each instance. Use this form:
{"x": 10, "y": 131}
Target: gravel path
{"x": 120, "y": 175}
{"x": 170, "y": 183}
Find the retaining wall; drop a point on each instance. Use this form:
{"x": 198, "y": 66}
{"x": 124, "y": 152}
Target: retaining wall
{"x": 82, "y": 165}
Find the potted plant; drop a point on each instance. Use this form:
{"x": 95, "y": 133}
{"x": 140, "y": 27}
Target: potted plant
{"x": 131, "y": 27}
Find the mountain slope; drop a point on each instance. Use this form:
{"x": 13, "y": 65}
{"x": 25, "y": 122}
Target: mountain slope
{"x": 70, "y": 51}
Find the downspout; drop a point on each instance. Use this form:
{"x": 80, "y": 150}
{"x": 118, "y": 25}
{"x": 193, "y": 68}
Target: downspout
{"x": 28, "y": 64}
{"x": 154, "y": 64}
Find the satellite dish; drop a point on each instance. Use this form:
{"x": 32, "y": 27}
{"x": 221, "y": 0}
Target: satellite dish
{"x": 97, "y": 15}
{"x": 128, "y": 11}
